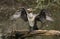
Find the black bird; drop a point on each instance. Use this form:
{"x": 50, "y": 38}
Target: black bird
{"x": 32, "y": 18}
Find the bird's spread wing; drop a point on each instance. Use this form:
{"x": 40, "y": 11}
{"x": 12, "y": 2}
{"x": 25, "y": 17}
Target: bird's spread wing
{"x": 49, "y": 18}
{"x": 15, "y": 16}
{"x": 20, "y": 14}
{"x": 24, "y": 14}
{"x": 42, "y": 17}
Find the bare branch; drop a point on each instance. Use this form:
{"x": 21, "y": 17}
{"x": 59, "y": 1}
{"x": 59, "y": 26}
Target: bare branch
{"x": 26, "y": 33}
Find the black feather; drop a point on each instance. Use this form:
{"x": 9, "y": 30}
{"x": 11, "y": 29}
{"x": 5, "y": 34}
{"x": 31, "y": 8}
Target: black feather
{"x": 24, "y": 14}
{"x": 42, "y": 16}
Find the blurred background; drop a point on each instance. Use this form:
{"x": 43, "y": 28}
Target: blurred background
{"x": 9, "y": 7}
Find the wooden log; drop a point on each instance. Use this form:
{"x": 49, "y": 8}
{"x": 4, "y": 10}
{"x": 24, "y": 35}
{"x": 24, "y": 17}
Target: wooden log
{"x": 26, "y": 33}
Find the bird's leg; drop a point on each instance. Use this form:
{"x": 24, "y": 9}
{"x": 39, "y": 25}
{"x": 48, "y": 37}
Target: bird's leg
{"x": 35, "y": 25}
{"x": 35, "y": 28}
{"x": 30, "y": 29}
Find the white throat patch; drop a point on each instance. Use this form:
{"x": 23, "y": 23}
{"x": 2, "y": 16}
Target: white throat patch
{"x": 31, "y": 18}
